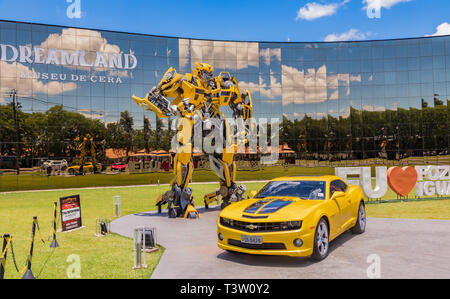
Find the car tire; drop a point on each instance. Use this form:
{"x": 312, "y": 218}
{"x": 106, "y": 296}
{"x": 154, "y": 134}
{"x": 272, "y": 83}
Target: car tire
{"x": 71, "y": 171}
{"x": 321, "y": 240}
{"x": 360, "y": 226}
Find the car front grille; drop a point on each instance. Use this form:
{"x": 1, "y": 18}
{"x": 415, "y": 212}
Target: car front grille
{"x": 257, "y": 227}
{"x": 263, "y": 246}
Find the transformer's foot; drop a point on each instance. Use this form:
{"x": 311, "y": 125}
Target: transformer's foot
{"x": 191, "y": 212}
{"x": 210, "y": 197}
{"x": 159, "y": 209}
{"x": 225, "y": 204}
{"x": 172, "y": 212}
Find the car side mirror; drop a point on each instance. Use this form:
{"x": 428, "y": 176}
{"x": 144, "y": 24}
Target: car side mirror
{"x": 253, "y": 193}
{"x": 337, "y": 194}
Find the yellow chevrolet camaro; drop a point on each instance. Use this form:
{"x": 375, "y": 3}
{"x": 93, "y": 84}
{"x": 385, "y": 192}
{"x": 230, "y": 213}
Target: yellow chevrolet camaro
{"x": 294, "y": 216}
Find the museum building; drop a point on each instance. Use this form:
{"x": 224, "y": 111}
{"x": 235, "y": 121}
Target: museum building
{"x": 385, "y": 99}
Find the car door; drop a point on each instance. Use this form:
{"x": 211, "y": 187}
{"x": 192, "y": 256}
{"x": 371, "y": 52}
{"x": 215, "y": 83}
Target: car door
{"x": 343, "y": 204}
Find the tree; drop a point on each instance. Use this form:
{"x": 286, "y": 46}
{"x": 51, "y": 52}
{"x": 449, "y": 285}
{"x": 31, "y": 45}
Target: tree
{"x": 147, "y": 133}
{"x": 158, "y": 134}
{"x": 126, "y": 126}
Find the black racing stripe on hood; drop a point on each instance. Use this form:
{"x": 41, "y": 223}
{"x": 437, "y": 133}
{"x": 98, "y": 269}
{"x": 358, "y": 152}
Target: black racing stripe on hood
{"x": 274, "y": 206}
{"x": 255, "y": 206}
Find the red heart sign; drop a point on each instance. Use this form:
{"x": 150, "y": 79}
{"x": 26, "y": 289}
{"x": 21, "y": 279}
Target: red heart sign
{"x": 402, "y": 180}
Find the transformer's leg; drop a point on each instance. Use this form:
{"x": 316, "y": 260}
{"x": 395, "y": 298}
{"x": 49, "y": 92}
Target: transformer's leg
{"x": 80, "y": 170}
{"x": 179, "y": 198}
{"x": 225, "y": 169}
{"x": 210, "y": 197}
{"x": 94, "y": 163}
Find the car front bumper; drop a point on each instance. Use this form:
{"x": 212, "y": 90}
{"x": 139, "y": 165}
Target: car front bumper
{"x": 274, "y": 243}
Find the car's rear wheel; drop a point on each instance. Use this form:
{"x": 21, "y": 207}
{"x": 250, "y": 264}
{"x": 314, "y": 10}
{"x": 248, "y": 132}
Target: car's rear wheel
{"x": 321, "y": 241}
{"x": 71, "y": 171}
{"x": 360, "y": 226}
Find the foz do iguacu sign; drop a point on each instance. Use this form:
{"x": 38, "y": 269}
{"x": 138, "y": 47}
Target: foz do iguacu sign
{"x": 37, "y": 55}
{"x": 427, "y": 180}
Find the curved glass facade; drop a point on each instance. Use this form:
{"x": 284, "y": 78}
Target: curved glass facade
{"x": 343, "y": 101}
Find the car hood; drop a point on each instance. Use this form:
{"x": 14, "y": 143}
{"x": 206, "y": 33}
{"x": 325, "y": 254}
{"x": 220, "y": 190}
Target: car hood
{"x": 271, "y": 208}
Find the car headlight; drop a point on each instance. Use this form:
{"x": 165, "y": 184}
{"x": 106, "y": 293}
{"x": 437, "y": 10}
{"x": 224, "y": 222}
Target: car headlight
{"x": 226, "y": 221}
{"x": 294, "y": 224}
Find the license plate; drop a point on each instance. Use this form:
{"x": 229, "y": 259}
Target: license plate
{"x": 251, "y": 239}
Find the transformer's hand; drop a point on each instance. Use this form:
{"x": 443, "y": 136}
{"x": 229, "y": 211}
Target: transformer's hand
{"x": 244, "y": 111}
{"x": 155, "y": 102}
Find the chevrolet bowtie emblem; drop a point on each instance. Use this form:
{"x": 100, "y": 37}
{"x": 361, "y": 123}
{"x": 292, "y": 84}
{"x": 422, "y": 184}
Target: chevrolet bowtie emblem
{"x": 251, "y": 226}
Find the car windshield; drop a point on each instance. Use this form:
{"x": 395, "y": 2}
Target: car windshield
{"x": 302, "y": 189}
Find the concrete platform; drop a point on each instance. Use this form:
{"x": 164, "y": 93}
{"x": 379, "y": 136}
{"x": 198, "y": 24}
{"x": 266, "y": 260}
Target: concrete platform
{"x": 408, "y": 248}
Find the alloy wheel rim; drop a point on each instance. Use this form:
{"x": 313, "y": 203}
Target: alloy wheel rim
{"x": 362, "y": 217}
{"x": 322, "y": 238}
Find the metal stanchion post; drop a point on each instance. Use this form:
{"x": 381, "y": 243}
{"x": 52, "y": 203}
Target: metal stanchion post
{"x": 28, "y": 273}
{"x": 6, "y": 239}
{"x": 137, "y": 249}
{"x": 144, "y": 248}
{"x": 117, "y": 206}
{"x": 54, "y": 243}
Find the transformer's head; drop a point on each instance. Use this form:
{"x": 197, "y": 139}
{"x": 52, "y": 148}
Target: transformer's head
{"x": 204, "y": 71}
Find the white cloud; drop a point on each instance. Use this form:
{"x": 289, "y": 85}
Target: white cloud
{"x": 70, "y": 39}
{"x": 267, "y": 53}
{"x": 373, "y": 108}
{"x": 26, "y": 87}
{"x": 220, "y": 54}
{"x": 302, "y": 86}
{"x": 443, "y": 29}
{"x": 91, "y": 114}
{"x": 352, "y": 34}
{"x": 91, "y": 41}
{"x": 80, "y": 39}
{"x": 315, "y": 10}
{"x": 377, "y": 4}
{"x": 269, "y": 90}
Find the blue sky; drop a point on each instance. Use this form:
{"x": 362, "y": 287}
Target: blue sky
{"x": 263, "y": 20}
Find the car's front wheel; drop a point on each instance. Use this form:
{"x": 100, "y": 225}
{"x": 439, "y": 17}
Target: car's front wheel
{"x": 360, "y": 226}
{"x": 321, "y": 241}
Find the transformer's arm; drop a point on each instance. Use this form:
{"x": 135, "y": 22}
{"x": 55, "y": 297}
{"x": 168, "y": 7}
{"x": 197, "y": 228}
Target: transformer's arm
{"x": 157, "y": 99}
{"x": 240, "y": 104}
{"x": 244, "y": 105}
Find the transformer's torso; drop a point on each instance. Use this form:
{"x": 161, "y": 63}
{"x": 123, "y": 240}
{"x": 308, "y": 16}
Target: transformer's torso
{"x": 190, "y": 93}
{"x": 196, "y": 99}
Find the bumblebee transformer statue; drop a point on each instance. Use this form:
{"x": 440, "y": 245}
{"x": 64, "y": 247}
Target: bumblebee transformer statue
{"x": 195, "y": 99}
{"x": 89, "y": 147}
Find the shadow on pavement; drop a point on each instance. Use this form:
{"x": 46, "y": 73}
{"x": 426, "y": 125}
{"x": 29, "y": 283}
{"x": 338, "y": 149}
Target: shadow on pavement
{"x": 200, "y": 210}
{"x": 282, "y": 261}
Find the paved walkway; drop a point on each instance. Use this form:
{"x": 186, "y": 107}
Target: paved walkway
{"x": 407, "y": 248}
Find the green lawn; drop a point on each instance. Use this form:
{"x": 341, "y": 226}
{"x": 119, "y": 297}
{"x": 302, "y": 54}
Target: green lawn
{"x": 431, "y": 209}
{"x": 101, "y": 257}
{"x": 112, "y": 256}
{"x": 12, "y": 182}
